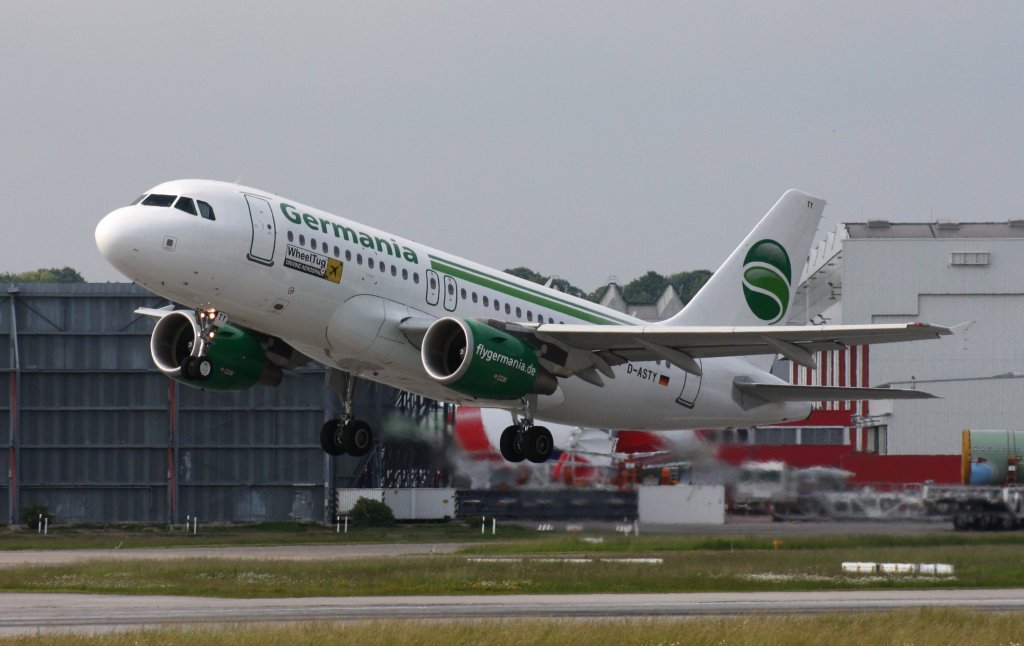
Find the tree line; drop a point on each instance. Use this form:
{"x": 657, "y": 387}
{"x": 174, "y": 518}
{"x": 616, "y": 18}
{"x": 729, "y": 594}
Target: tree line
{"x": 643, "y": 290}
{"x": 47, "y": 275}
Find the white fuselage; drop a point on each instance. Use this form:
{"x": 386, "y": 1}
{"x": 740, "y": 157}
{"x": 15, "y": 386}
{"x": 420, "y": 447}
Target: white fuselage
{"x": 337, "y": 290}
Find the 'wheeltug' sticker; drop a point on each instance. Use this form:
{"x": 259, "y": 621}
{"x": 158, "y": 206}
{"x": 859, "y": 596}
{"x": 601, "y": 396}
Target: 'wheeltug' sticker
{"x": 314, "y": 264}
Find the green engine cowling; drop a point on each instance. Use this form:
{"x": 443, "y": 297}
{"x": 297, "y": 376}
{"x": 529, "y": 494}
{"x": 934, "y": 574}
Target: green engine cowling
{"x": 236, "y": 355}
{"x": 476, "y": 359}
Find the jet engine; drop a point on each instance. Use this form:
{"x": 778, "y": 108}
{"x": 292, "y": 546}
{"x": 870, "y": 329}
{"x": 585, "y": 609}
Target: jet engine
{"x": 476, "y": 359}
{"x": 234, "y": 358}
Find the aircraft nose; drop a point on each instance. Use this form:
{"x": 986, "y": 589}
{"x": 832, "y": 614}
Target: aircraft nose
{"x": 113, "y": 238}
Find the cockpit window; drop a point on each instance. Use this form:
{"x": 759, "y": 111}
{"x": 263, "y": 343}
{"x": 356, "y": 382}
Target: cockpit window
{"x": 157, "y": 199}
{"x": 206, "y": 210}
{"x": 186, "y": 204}
{"x": 138, "y": 199}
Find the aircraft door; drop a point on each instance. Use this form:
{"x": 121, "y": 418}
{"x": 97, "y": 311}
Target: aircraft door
{"x": 433, "y": 287}
{"x": 264, "y": 237}
{"x": 691, "y": 388}
{"x": 451, "y": 293}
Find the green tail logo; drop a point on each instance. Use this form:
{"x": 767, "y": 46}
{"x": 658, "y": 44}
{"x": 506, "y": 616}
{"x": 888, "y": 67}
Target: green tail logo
{"x": 767, "y": 276}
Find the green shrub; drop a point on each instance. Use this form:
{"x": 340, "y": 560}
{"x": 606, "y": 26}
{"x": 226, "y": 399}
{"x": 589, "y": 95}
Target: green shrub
{"x": 30, "y": 514}
{"x": 372, "y": 513}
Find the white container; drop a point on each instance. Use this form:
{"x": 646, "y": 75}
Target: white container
{"x": 682, "y": 505}
{"x": 421, "y": 503}
{"x": 347, "y": 498}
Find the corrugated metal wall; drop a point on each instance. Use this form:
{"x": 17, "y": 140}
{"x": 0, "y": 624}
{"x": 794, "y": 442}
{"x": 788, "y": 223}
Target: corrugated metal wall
{"x": 97, "y": 434}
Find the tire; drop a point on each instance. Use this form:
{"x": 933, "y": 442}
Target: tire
{"x": 357, "y": 437}
{"x": 331, "y": 437}
{"x": 510, "y": 445}
{"x": 186, "y": 368}
{"x": 538, "y": 444}
{"x": 203, "y": 368}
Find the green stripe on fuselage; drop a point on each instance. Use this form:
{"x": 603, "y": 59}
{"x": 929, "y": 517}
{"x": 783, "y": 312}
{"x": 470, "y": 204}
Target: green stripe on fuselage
{"x": 508, "y": 288}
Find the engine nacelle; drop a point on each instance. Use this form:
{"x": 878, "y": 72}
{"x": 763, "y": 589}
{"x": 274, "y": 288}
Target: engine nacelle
{"x": 238, "y": 359}
{"x": 478, "y": 360}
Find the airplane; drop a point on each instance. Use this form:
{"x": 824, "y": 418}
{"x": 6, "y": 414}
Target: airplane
{"x": 268, "y": 283}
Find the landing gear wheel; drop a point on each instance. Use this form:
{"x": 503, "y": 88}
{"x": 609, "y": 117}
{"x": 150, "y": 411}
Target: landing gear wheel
{"x": 203, "y": 368}
{"x": 187, "y": 369}
{"x": 538, "y": 444}
{"x": 332, "y": 437}
{"x": 196, "y": 368}
{"x": 511, "y": 444}
{"x": 357, "y": 437}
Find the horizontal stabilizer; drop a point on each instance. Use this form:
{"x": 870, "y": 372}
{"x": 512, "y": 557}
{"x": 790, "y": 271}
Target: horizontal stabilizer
{"x": 788, "y": 393}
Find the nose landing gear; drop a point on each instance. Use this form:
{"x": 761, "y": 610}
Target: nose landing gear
{"x": 196, "y": 365}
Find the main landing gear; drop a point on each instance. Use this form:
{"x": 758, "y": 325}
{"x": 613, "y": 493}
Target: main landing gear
{"x": 346, "y": 435}
{"x": 524, "y": 441}
{"x": 196, "y": 366}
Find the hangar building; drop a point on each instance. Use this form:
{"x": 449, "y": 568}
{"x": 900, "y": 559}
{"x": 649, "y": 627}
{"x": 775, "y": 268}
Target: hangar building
{"x": 96, "y": 434}
{"x": 962, "y": 274}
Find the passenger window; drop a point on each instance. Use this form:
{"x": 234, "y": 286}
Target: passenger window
{"x": 474, "y": 297}
{"x": 451, "y": 289}
{"x": 529, "y": 315}
{"x": 369, "y": 263}
{"x": 383, "y": 267}
{"x": 205, "y": 210}
{"x": 302, "y": 239}
{"x": 348, "y": 255}
{"x": 323, "y": 247}
{"x": 337, "y": 252}
{"x": 415, "y": 278}
{"x": 462, "y": 293}
{"x": 159, "y": 200}
{"x": 405, "y": 274}
{"x": 433, "y": 283}
{"x": 359, "y": 258}
{"x": 187, "y": 205}
{"x": 497, "y": 305}
{"x": 485, "y": 301}
{"x": 394, "y": 270}
{"x": 291, "y": 237}
{"x": 312, "y": 243}
{"x": 519, "y": 313}
{"x": 508, "y": 308}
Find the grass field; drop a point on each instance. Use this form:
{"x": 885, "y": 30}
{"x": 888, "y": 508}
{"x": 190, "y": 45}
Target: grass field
{"x": 926, "y": 627}
{"x": 688, "y": 564}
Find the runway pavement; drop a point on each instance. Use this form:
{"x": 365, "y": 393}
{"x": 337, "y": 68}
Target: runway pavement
{"x": 28, "y": 613}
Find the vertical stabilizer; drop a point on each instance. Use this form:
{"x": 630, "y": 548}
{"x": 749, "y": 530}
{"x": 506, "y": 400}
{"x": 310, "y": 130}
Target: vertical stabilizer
{"x": 755, "y": 285}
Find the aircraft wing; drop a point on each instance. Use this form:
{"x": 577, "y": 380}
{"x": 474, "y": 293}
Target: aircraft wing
{"x": 597, "y": 347}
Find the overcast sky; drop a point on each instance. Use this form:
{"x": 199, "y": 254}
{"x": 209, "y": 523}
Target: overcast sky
{"x": 583, "y": 139}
